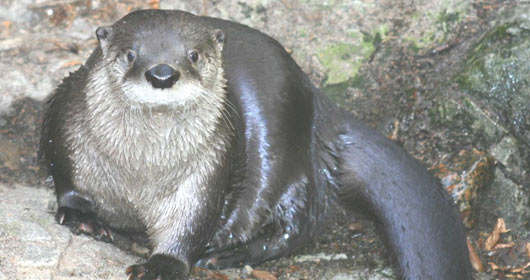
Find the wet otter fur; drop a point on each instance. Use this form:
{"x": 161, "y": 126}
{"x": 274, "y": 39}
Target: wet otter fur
{"x": 207, "y": 136}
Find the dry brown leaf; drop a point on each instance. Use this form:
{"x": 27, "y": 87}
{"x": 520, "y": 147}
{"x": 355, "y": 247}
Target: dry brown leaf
{"x": 474, "y": 258}
{"x": 494, "y": 237}
{"x": 154, "y": 4}
{"x": 262, "y": 275}
{"x": 293, "y": 268}
{"x": 504, "y": 245}
{"x": 6, "y": 26}
{"x": 355, "y": 227}
{"x": 467, "y": 194}
{"x": 527, "y": 249}
{"x": 494, "y": 266}
{"x": 502, "y": 225}
{"x": 71, "y": 63}
{"x": 217, "y": 276}
{"x": 516, "y": 272}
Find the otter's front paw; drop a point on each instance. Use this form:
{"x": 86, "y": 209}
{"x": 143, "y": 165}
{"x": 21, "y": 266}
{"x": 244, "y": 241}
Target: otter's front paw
{"x": 159, "y": 267}
{"x": 79, "y": 222}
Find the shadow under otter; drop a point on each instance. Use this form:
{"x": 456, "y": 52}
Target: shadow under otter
{"x": 208, "y": 137}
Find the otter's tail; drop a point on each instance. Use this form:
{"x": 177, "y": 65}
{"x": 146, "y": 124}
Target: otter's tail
{"x": 417, "y": 216}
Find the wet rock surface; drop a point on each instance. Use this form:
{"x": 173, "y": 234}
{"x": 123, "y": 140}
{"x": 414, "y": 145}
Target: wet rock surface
{"x": 448, "y": 81}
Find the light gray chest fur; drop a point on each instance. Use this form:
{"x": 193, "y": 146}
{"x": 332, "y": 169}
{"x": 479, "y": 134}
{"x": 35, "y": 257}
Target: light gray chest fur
{"x": 129, "y": 159}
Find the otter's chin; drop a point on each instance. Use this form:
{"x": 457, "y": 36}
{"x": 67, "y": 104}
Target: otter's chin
{"x": 176, "y": 96}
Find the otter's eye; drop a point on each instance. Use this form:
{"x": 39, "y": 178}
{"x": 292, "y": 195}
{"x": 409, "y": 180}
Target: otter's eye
{"x": 131, "y": 56}
{"x": 193, "y": 56}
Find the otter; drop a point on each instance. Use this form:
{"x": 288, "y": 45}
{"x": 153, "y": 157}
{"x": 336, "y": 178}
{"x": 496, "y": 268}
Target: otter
{"x": 206, "y": 136}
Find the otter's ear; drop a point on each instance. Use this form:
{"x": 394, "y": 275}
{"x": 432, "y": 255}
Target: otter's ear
{"x": 103, "y": 34}
{"x": 218, "y": 37}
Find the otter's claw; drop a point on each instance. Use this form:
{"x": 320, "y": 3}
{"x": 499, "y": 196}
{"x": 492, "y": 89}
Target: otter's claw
{"x": 85, "y": 223}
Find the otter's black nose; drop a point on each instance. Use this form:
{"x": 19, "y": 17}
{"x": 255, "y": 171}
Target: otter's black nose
{"x": 162, "y": 76}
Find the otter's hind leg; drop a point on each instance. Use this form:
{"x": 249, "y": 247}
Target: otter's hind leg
{"x": 418, "y": 219}
{"x": 271, "y": 243}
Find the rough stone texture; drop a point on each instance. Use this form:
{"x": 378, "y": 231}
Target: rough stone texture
{"x": 34, "y": 246}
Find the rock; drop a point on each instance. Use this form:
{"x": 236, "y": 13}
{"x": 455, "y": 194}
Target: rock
{"x": 247, "y": 270}
{"x": 19, "y": 11}
{"x": 319, "y": 257}
{"x": 34, "y": 246}
{"x": 262, "y": 275}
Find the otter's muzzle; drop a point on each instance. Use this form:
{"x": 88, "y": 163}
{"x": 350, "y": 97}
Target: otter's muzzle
{"x": 162, "y": 76}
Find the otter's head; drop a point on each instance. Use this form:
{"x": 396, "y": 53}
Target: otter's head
{"x": 162, "y": 58}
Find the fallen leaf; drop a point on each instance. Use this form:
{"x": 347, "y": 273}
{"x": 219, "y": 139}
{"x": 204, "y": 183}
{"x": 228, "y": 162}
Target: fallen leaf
{"x": 293, "y": 268}
{"x": 494, "y": 237}
{"x": 6, "y": 25}
{"x": 262, "y": 275}
{"x": 494, "y": 266}
{"x": 71, "y": 63}
{"x": 504, "y": 245}
{"x": 217, "y": 276}
{"x": 474, "y": 258}
{"x": 154, "y": 4}
{"x": 527, "y": 249}
{"x": 355, "y": 227}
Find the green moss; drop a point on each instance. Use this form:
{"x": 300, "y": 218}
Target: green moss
{"x": 497, "y": 71}
{"x": 338, "y": 92}
{"x": 447, "y": 19}
{"x": 506, "y": 151}
{"x": 482, "y": 122}
{"x": 437, "y": 24}
{"x": 340, "y": 62}
{"x": 464, "y": 115}
{"x": 9, "y": 230}
{"x": 302, "y": 33}
{"x": 417, "y": 44}
{"x": 343, "y": 60}
{"x": 451, "y": 115}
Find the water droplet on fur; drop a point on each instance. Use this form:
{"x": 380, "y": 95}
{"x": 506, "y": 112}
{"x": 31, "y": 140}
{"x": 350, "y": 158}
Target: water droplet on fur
{"x": 50, "y": 141}
{"x": 264, "y": 247}
{"x": 231, "y": 236}
{"x": 286, "y": 236}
